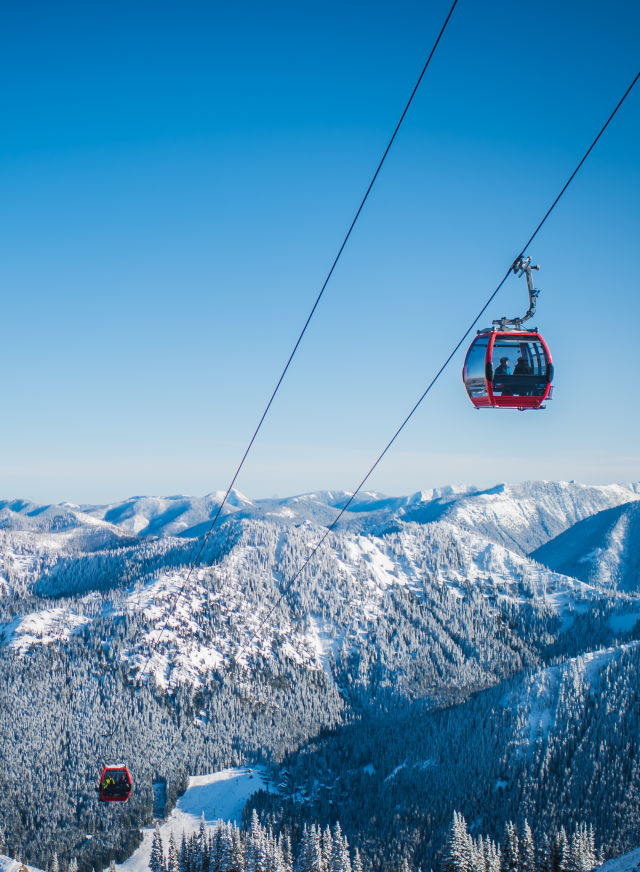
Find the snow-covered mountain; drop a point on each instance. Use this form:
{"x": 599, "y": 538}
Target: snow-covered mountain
{"x": 521, "y": 516}
{"x": 432, "y": 598}
{"x": 601, "y": 550}
{"x": 449, "y": 540}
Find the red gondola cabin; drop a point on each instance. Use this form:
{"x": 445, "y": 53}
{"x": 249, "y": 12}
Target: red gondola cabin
{"x": 115, "y": 784}
{"x": 508, "y": 369}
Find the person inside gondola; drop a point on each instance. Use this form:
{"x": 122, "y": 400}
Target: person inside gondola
{"x": 107, "y": 785}
{"x": 522, "y": 368}
{"x": 503, "y": 369}
{"x": 115, "y": 785}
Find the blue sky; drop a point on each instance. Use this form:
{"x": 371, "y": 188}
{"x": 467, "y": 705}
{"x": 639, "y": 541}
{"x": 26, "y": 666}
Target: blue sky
{"x": 176, "y": 182}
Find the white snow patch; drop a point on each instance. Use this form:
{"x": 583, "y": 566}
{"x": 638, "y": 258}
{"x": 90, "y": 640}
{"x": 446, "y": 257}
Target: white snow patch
{"x": 540, "y": 697}
{"x": 322, "y": 644}
{"x": 219, "y": 796}
{"x": 395, "y": 771}
{"x": 625, "y": 863}
{"x": 42, "y": 628}
{"x": 9, "y": 865}
{"x": 425, "y": 764}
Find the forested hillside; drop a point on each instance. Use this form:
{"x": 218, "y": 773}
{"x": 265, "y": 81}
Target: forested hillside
{"x": 423, "y": 663}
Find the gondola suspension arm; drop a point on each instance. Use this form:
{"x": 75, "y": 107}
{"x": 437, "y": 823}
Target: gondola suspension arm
{"x": 522, "y": 266}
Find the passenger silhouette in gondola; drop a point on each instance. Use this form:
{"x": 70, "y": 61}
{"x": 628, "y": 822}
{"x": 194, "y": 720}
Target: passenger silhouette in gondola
{"x": 501, "y": 370}
{"x": 107, "y": 785}
{"x": 503, "y": 367}
{"x": 522, "y": 368}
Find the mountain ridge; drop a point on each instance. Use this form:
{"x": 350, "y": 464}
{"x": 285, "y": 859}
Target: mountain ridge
{"x": 554, "y": 506}
{"x": 414, "y": 606}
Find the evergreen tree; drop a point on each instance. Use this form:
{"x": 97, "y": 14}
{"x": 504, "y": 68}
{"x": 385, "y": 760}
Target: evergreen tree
{"x": 339, "y": 860}
{"x": 287, "y": 852}
{"x": 527, "y": 850}
{"x": 203, "y": 848}
{"x": 544, "y": 854}
{"x": 226, "y": 857}
{"x": 559, "y": 851}
{"x": 479, "y": 859}
{"x": 581, "y": 853}
{"x": 590, "y": 852}
{"x": 172, "y": 855}
{"x": 310, "y": 854}
{"x": 183, "y": 857}
{"x": 238, "y": 851}
{"x": 326, "y": 842}
{"x": 492, "y": 856}
{"x": 156, "y": 860}
{"x": 459, "y": 849}
{"x": 510, "y": 849}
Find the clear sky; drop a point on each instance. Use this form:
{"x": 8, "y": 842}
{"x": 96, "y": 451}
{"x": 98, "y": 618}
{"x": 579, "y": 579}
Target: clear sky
{"x": 176, "y": 180}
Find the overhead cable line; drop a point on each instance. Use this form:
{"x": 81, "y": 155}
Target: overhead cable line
{"x": 331, "y": 527}
{"x": 207, "y": 535}
{"x": 384, "y": 451}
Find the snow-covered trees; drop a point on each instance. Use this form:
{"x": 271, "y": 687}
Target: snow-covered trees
{"x": 172, "y": 856}
{"x": 156, "y": 861}
{"x": 433, "y": 627}
{"x": 225, "y": 848}
{"x": 459, "y": 852}
{"x": 518, "y": 852}
{"x": 510, "y": 850}
{"x": 527, "y": 850}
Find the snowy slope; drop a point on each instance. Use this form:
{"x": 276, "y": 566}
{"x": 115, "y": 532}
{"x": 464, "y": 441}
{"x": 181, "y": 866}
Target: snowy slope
{"x": 475, "y": 541}
{"x": 9, "y": 865}
{"x": 603, "y": 550}
{"x": 211, "y": 622}
{"x": 521, "y": 516}
{"x": 218, "y": 796}
{"x": 525, "y": 516}
{"x": 626, "y": 863}
{"x": 542, "y": 692}
{"x": 63, "y": 518}
{"x": 43, "y": 627}
{"x": 168, "y": 516}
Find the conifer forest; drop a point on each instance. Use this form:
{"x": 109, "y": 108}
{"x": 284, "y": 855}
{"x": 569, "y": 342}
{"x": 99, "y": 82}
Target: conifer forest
{"x": 450, "y": 684}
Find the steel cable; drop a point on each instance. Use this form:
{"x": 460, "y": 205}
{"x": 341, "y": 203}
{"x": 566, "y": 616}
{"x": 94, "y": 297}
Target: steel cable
{"x": 193, "y": 563}
{"x": 379, "y": 458}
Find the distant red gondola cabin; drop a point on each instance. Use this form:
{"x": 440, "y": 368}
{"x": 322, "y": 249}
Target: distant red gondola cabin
{"x": 115, "y": 784}
{"x": 508, "y": 369}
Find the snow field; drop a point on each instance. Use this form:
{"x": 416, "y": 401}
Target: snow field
{"x": 219, "y": 796}
{"x": 9, "y": 865}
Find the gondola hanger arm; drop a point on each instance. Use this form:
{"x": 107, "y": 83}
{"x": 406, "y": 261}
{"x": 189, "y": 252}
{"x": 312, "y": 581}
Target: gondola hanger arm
{"x": 522, "y": 266}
